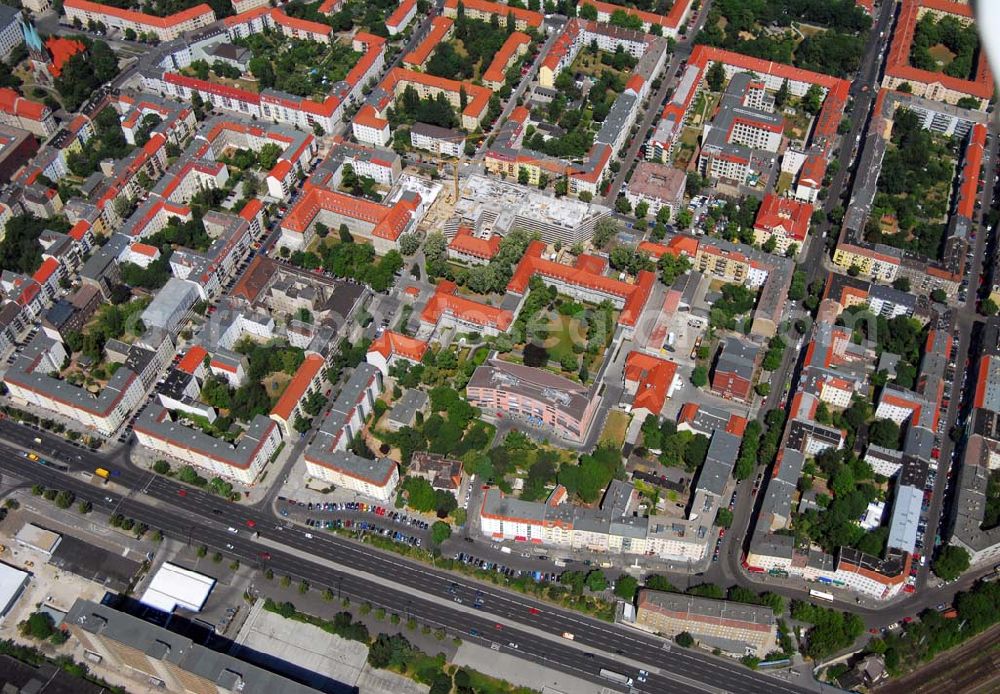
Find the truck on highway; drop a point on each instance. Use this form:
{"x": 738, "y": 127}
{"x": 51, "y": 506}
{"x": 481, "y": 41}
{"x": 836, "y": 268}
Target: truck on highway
{"x": 616, "y": 677}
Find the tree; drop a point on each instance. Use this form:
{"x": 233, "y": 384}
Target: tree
{"x": 596, "y": 581}
{"x": 38, "y": 626}
{"x": 699, "y": 377}
{"x": 885, "y": 433}
{"x": 939, "y": 295}
{"x": 716, "y": 76}
{"x": 988, "y": 307}
{"x": 902, "y": 284}
{"x": 65, "y": 499}
{"x": 409, "y": 243}
{"x": 684, "y": 639}
{"x": 781, "y": 96}
{"x": 625, "y": 587}
{"x": 345, "y": 234}
{"x": 724, "y": 518}
{"x": 951, "y": 563}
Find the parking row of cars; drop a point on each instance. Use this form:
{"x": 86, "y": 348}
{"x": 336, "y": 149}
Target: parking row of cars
{"x": 359, "y": 507}
{"x": 487, "y": 565}
{"x": 364, "y": 527}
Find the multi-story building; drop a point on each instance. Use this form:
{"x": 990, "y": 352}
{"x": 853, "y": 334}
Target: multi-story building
{"x": 784, "y": 220}
{"x": 10, "y": 30}
{"x": 484, "y": 10}
{"x": 390, "y": 347}
{"x": 650, "y": 381}
{"x": 29, "y": 381}
{"x": 441, "y": 29}
{"x": 164, "y": 28}
{"x": 328, "y": 457}
{"x": 173, "y": 662}
{"x": 28, "y": 115}
{"x": 882, "y": 263}
{"x": 471, "y": 249}
{"x": 658, "y": 186}
{"x": 446, "y": 309}
{"x": 401, "y": 17}
{"x": 445, "y": 142}
{"x": 307, "y": 381}
{"x": 160, "y": 431}
{"x": 731, "y": 627}
{"x": 380, "y": 223}
{"x": 987, "y": 395}
{"x": 585, "y": 281}
{"x": 926, "y": 83}
{"x": 732, "y": 376}
{"x": 669, "y": 24}
{"x": 534, "y": 397}
{"x": 969, "y": 508}
{"x": 516, "y": 45}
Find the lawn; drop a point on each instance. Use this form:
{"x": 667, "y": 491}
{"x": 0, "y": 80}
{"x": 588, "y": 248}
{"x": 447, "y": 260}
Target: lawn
{"x": 615, "y": 428}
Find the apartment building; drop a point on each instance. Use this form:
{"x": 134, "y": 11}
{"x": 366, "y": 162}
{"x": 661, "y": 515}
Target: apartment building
{"x": 308, "y": 380}
{"x": 29, "y": 382}
{"x": 166, "y": 433}
{"x": 659, "y": 186}
{"x": 534, "y": 398}
{"x": 401, "y": 17}
{"x": 32, "y": 116}
{"x": 732, "y": 376}
{"x": 783, "y": 220}
{"x": 485, "y": 11}
{"x": 329, "y": 458}
{"x": 391, "y": 347}
{"x": 164, "y": 28}
{"x": 516, "y": 45}
{"x": 732, "y": 627}
{"x": 447, "y": 309}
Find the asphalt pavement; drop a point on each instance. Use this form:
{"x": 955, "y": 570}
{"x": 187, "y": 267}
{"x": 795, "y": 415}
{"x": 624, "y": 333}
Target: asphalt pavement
{"x": 200, "y": 518}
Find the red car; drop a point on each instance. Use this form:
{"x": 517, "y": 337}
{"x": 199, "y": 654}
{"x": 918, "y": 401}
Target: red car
{"x": 499, "y": 625}
{"x": 264, "y": 555}
{"x": 534, "y": 610}
{"x": 182, "y": 492}
{"x": 251, "y": 524}
{"x": 907, "y": 620}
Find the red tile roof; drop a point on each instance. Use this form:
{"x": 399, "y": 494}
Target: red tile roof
{"x": 677, "y": 246}
{"x": 654, "y": 377}
{"x": 969, "y": 188}
{"x": 46, "y": 270}
{"x": 140, "y": 17}
{"x": 446, "y": 302}
{"x": 296, "y": 389}
{"x": 398, "y": 15}
{"x": 440, "y": 26}
{"x": 562, "y": 45}
{"x": 702, "y": 55}
{"x": 16, "y": 105}
{"x": 145, "y": 249}
{"x": 303, "y": 25}
{"x": 634, "y": 295}
{"x": 532, "y": 19}
{"x": 671, "y": 20}
{"x": 465, "y": 242}
{"x": 390, "y": 343}
{"x": 193, "y": 359}
{"x": 785, "y": 216}
{"x": 497, "y": 70}
{"x": 389, "y": 222}
{"x": 898, "y": 60}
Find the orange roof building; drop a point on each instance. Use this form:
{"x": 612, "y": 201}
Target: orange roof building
{"x": 972, "y": 167}
{"x": 165, "y": 28}
{"x": 925, "y": 83}
{"x": 390, "y": 346}
{"x": 515, "y": 46}
{"x": 484, "y": 10}
{"x": 651, "y": 380}
{"x": 308, "y": 379}
{"x": 469, "y": 248}
{"x": 381, "y": 224}
{"x": 296, "y": 28}
{"x": 441, "y": 30}
{"x": 28, "y": 115}
{"x": 677, "y": 246}
{"x": 401, "y": 17}
{"x": 669, "y": 23}
{"x": 447, "y": 309}
{"x": 581, "y": 281}
{"x": 784, "y": 220}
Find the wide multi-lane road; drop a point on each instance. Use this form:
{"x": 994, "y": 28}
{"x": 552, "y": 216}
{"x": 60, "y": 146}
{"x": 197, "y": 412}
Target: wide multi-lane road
{"x": 405, "y": 587}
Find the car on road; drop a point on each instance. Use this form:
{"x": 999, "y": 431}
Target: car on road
{"x": 264, "y": 555}
{"x": 182, "y": 492}
{"x": 534, "y": 610}
{"x": 251, "y": 524}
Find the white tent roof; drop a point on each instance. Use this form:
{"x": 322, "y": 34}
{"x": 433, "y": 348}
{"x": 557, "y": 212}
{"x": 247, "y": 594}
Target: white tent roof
{"x": 12, "y": 581}
{"x": 174, "y": 586}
